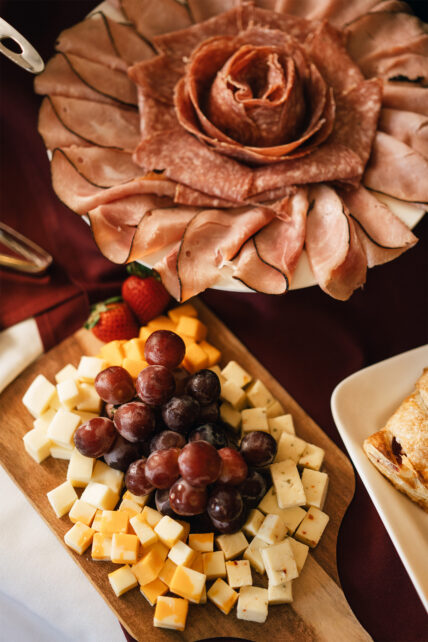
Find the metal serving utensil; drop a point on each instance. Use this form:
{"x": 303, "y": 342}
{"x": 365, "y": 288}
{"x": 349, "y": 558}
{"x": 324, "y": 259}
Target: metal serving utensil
{"x": 28, "y": 58}
{"x": 35, "y": 260}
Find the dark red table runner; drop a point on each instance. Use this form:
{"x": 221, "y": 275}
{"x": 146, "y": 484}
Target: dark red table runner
{"x": 307, "y": 340}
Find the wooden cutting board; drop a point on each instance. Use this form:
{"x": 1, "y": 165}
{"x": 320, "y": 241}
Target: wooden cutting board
{"x": 319, "y": 610}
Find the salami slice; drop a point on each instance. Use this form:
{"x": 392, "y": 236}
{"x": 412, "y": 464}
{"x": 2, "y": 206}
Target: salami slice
{"x": 251, "y": 270}
{"x": 150, "y": 21}
{"x": 155, "y": 116}
{"x": 157, "y": 77}
{"x": 188, "y": 196}
{"x": 406, "y": 126}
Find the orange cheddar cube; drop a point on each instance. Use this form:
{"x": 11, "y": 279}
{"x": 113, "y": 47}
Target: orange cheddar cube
{"x": 112, "y": 352}
{"x": 162, "y": 323}
{"x": 148, "y": 568}
{"x": 144, "y": 333}
{"x": 185, "y": 310}
{"x": 114, "y": 521}
{"x": 134, "y": 349}
{"x": 153, "y": 590}
{"x": 134, "y": 366}
{"x": 195, "y": 358}
{"x": 171, "y": 613}
{"x": 101, "y": 548}
{"x": 124, "y": 548}
{"x": 212, "y": 353}
{"x": 188, "y": 583}
{"x": 191, "y": 327}
{"x": 160, "y": 549}
{"x": 198, "y": 564}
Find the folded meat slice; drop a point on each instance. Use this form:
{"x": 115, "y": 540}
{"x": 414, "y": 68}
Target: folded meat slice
{"x": 405, "y": 96}
{"x": 203, "y": 9}
{"x": 157, "y": 77}
{"x": 52, "y": 130}
{"x": 103, "y": 167}
{"x": 337, "y": 12}
{"x": 406, "y": 126}
{"x": 335, "y": 254}
{"x": 211, "y": 238}
{"x": 167, "y": 269}
{"x": 255, "y": 273}
{"x": 151, "y": 20}
{"x": 396, "y": 169}
{"x": 188, "y": 196}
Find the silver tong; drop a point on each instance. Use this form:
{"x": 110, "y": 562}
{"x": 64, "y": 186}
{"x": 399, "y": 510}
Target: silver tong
{"x": 28, "y": 58}
{"x": 32, "y": 258}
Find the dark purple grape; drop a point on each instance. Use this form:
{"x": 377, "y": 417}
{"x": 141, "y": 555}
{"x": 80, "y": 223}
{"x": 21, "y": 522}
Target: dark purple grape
{"x": 167, "y": 439}
{"x": 199, "y": 463}
{"x": 155, "y": 385}
{"x": 122, "y": 454}
{"x": 135, "y": 421}
{"x": 225, "y": 503}
{"x": 234, "y": 469}
{"x": 204, "y": 386}
{"x": 211, "y": 433}
{"x": 115, "y": 385}
{"x": 231, "y": 525}
{"x": 95, "y": 437}
{"x": 162, "y": 467}
{"x": 185, "y": 499}
{"x": 258, "y": 448}
{"x": 180, "y": 413}
{"x": 135, "y": 479}
{"x": 162, "y": 502}
{"x": 164, "y": 348}
{"x": 209, "y": 414}
{"x": 253, "y": 489}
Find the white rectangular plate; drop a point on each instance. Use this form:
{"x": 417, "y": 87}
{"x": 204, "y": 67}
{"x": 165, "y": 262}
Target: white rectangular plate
{"x": 361, "y": 405}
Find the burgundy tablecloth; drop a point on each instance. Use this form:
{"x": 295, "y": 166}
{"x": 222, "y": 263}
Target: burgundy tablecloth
{"x": 307, "y": 340}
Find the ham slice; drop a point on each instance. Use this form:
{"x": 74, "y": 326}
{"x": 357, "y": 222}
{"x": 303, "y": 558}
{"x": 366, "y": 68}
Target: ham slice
{"x": 255, "y": 273}
{"x": 335, "y": 254}
{"x": 396, "y": 169}
{"x": 211, "y": 238}
{"x": 112, "y": 240}
{"x": 53, "y": 132}
{"x": 404, "y": 96}
{"x": 151, "y": 20}
{"x": 167, "y": 269}
{"x": 406, "y": 126}
{"x": 337, "y": 12}
{"x": 103, "y": 167}
{"x": 203, "y": 9}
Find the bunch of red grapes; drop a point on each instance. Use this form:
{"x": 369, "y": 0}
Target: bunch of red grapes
{"x": 164, "y": 433}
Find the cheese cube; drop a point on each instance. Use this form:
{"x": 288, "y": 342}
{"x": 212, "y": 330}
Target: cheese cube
{"x": 315, "y": 485}
{"x": 181, "y": 554}
{"x": 234, "y": 395}
{"x": 222, "y": 595}
{"x": 203, "y": 599}
{"x": 124, "y": 548}
{"x": 143, "y": 531}
{"x": 153, "y": 590}
{"x": 258, "y": 395}
{"x": 312, "y": 527}
{"x": 89, "y": 400}
{"x": 290, "y": 447}
{"x": 79, "y": 469}
{"x": 151, "y": 516}
{"x": 60, "y": 452}
{"x": 101, "y": 548}
{"x": 290, "y": 516}
{"x": 167, "y": 571}
{"x": 67, "y": 372}
{"x": 113, "y": 521}
{"x": 212, "y": 353}
{"x": 253, "y": 523}
{"x": 169, "y": 531}
{"x": 68, "y": 393}
{"x": 170, "y": 613}
{"x": 62, "y": 498}
{"x": 134, "y": 366}
{"x": 79, "y": 537}
{"x": 111, "y": 477}
{"x": 188, "y": 583}
{"x": 159, "y": 548}
{"x": 96, "y": 524}
{"x": 312, "y": 457}
{"x": 232, "y": 545}
{"x": 213, "y": 564}
{"x": 89, "y": 367}
{"x": 162, "y": 323}
{"x": 39, "y": 395}
{"x": 239, "y": 573}
{"x": 272, "y": 530}
{"x": 280, "y": 594}
{"x": 191, "y": 327}
{"x": 278, "y": 425}
{"x": 300, "y": 552}
{"x": 42, "y": 422}
{"x": 112, "y": 352}
{"x": 203, "y": 542}
{"x": 254, "y": 556}
{"x": 217, "y": 371}
{"x": 252, "y": 604}
{"x": 254, "y": 419}
{"x": 122, "y": 580}
{"x": 134, "y": 349}
{"x": 129, "y": 507}
{"x": 230, "y": 416}
{"x": 82, "y": 512}
{"x": 144, "y": 333}
{"x": 37, "y": 444}
{"x": 198, "y": 564}
{"x": 274, "y": 409}
{"x": 288, "y": 485}
{"x": 100, "y": 496}
{"x": 186, "y": 531}
{"x": 85, "y": 415}
{"x": 196, "y": 358}
{"x": 187, "y": 310}
{"x": 279, "y": 563}
{"x": 236, "y": 373}
{"x": 141, "y": 500}
{"x": 148, "y": 568}
{"x": 62, "y": 427}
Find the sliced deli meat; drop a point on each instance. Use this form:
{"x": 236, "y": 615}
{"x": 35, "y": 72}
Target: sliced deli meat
{"x": 53, "y": 131}
{"x": 252, "y": 271}
{"x": 201, "y": 10}
{"x": 405, "y": 96}
{"x": 150, "y": 21}
{"x": 167, "y": 269}
{"x": 406, "y": 126}
{"x": 103, "y": 167}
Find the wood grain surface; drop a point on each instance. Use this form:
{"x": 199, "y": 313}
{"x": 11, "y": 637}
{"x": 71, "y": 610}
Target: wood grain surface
{"x": 319, "y": 610}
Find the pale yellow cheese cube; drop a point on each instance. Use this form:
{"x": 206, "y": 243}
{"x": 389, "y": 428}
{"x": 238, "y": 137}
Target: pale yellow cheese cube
{"x": 254, "y": 419}
{"x": 239, "y": 573}
{"x": 253, "y": 522}
{"x": 222, "y": 595}
{"x": 232, "y": 545}
{"x": 89, "y": 367}
{"x": 85, "y": 416}
{"x": 236, "y": 373}
{"x": 141, "y": 500}
{"x": 101, "y": 547}
{"x": 272, "y": 530}
{"x": 122, "y": 580}
{"x": 100, "y": 496}
{"x": 79, "y": 537}
{"x": 79, "y": 469}
{"x": 68, "y": 393}
{"x": 274, "y": 409}
{"x": 151, "y": 516}
{"x": 280, "y": 594}
{"x": 170, "y": 613}
{"x": 143, "y": 531}
{"x": 280, "y": 424}
{"x": 258, "y": 395}
{"x": 153, "y": 590}
{"x": 61, "y": 452}
{"x": 42, "y": 422}
{"x": 191, "y": 327}
{"x": 290, "y": 516}
{"x": 234, "y": 395}
{"x": 230, "y": 416}
{"x": 145, "y": 332}
{"x": 252, "y": 604}
{"x": 167, "y": 571}
{"x": 254, "y": 556}
{"x": 148, "y": 568}
{"x": 39, "y": 395}
{"x": 169, "y": 531}
{"x": 112, "y": 352}
{"x": 96, "y": 524}
{"x": 186, "y": 310}
{"x": 312, "y": 457}
{"x": 129, "y": 507}
{"x": 214, "y": 565}
{"x": 288, "y": 485}
{"x": 111, "y": 477}
{"x": 315, "y": 485}
{"x": 124, "y": 548}
{"x": 212, "y": 353}
{"x": 188, "y": 583}
{"x": 181, "y": 554}
{"x": 89, "y": 400}
{"x": 290, "y": 447}
{"x": 37, "y": 444}
{"x": 67, "y": 372}
{"x": 55, "y": 403}
{"x": 62, "y": 498}
{"x": 300, "y": 552}
{"x": 114, "y": 521}
{"x": 202, "y": 542}
{"x": 312, "y": 527}
{"x": 279, "y": 563}
{"x": 82, "y": 512}
{"x": 62, "y": 427}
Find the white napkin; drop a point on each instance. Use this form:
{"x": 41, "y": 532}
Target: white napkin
{"x": 19, "y": 346}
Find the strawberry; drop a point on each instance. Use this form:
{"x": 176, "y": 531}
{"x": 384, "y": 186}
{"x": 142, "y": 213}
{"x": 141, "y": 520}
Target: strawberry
{"x": 112, "y": 319}
{"x": 144, "y": 293}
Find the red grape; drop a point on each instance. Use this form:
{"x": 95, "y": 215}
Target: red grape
{"x": 211, "y": 433}
{"x": 253, "y": 489}
{"x": 167, "y": 439}
{"x": 155, "y": 385}
{"x": 185, "y": 499}
{"x": 134, "y": 421}
{"x": 199, "y": 463}
{"x": 181, "y": 378}
{"x": 180, "y": 413}
{"x": 258, "y": 448}
{"x": 234, "y": 469}
{"x": 121, "y": 454}
{"x": 164, "y": 348}
{"x": 95, "y": 437}
{"x": 231, "y": 525}
{"x": 162, "y": 467}
{"x": 225, "y": 503}
{"x": 135, "y": 479}
{"x": 204, "y": 386}
{"x": 209, "y": 414}
{"x": 115, "y": 385}
{"x": 162, "y": 502}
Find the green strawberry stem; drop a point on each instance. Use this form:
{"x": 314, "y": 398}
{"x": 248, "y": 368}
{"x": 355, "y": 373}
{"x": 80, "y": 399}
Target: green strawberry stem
{"x": 96, "y": 310}
{"x": 137, "y": 269}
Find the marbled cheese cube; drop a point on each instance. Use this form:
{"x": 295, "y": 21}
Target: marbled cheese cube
{"x": 67, "y": 372}
{"x": 113, "y": 521}
{"x": 312, "y": 457}
{"x": 188, "y": 583}
{"x": 254, "y": 419}
{"x": 39, "y": 395}
{"x": 280, "y": 594}
{"x": 169, "y": 531}
{"x": 202, "y": 542}
{"x": 82, "y": 512}
{"x": 79, "y": 537}
{"x": 253, "y": 523}
{"x": 96, "y": 524}
{"x": 230, "y": 416}
{"x": 160, "y": 549}
{"x": 171, "y": 613}
{"x": 79, "y": 470}
{"x": 198, "y": 564}
{"x": 186, "y": 310}
{"x": 61, "y": 452}
{"x": 89, "y": 400}
{"x": 153, "y": 590}
{"x": 239, "y": 573}
{"x": 312, "y": 527}
{"x": 68, "y": 393}
{"x": 143, "y": 531}
{"x": 100, "y": 496}
{"x": 222, "y": 595}
{"x": 167, "y": 571}
{"x": 278, "y": 425}
{"x": 151, "y": 516}
{"x": 290, "y": 447}
{"x": 254, "y": 556}
{"x": 101, "y": 548}
{"x": 148, "y": 568}
{"x": 232, "y": 545}
{"x": 288, "y": 485}
{"x": 213, "y": 565}
{"x": 124, "y": 548}
{"x": 258, "y": 395}
{"x": 279, "y": 563}
{"x": 131, "y": 508}
{"x": 274, "y": 409}
{"x": 236, "y": 373}
{"x": 37, "y": 444}
{"x": 62, "y": 427}
{"x": 89, "y": 367}
{"x": 62, "y": 498}
{"x": 122, "y": 580}
{"x": 141, "y": 500}
{"x": 315, "y": 485}
{"x": 181, "y": 554}
{"x": 272, "y": 530}
{"x": 252, "y": 604}
{"x": 234, "y": 395}
{"x": 111, "y": 477}
{"x": 300, "y": 552}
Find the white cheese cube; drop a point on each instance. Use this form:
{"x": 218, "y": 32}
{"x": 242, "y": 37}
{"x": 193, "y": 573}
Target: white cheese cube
{"x": 89, "y": 367}
{"x": 312, "y": 527}
{"x": 67, "y": 372}
{"x": 300, "y": 552}
{"x": 55, "y": 402}
{"x": 239, "y": 573}
{"x": 232, "y": 545}
{"x": 62, "y": 427}
{"x": 151, "y": 516}
{"x": 111, "y": 477}
{"x": 254, "y": 556}
{"x": 279, "y": 563}
{"x": 39, "y": 395}
{"x": 62, "y": 498}
{"x": 42, "y": 422}
{"x": 37, "y": 444}
{"x": 213, "y": 565}
{"x": 181, "y": 554}
{"x": 68, "y": 393}
{"x": 141, "y": 500}
{"x": 258, "y": 395}
{"x": 234, "y": 395}
{"x": 252, "y": 604}
{"x": 122, "y": 580}
{"x": 130, "y": 507}
{"x": 202, "y": 542}
{"x": 278, "y": 425}
{"x": 222, "y": 595}
{"x": 89, "y": 400}
{"x": 281, "y": 594}
{"x": 230, "y": 416}
{"x": 272, "y": 530}
{"x": 79, "y": 469}
{"x": 79, "y": 537}
{"x": 253, "y": 523}
{"x": 288, "y": 485}
{"x": 290, "y": 516}
{"x": 274, "y": 409}
{"x": 100, "y": 496}
{"x": 315, "y": 485}
{"x": 171, "y": 613}
{"x": 169, "y": 531}
{"x": 290, "y": 447}
{"x": 236, "y": 373}
{"x": 82, "y": 512}
{"x": 61, "y": 452}
{"x": 254, "y": 419}
{"x": 312, "y": 457}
